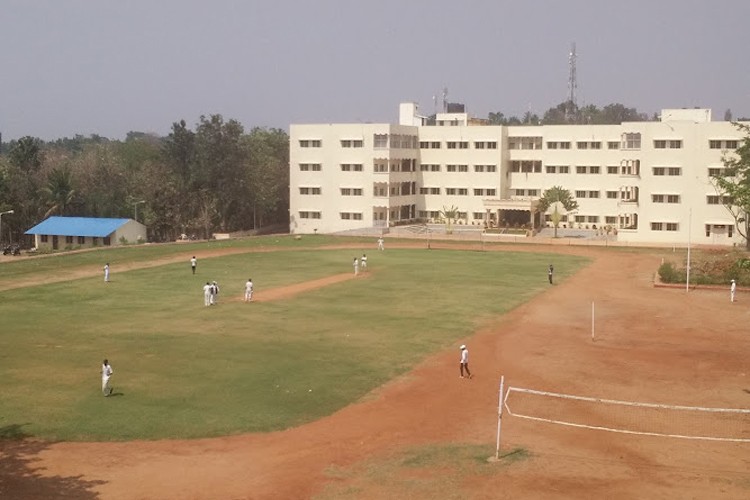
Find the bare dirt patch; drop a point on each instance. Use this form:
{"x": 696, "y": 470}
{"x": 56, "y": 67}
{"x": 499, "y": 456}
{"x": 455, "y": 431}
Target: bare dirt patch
{"x": 655, "y": 345}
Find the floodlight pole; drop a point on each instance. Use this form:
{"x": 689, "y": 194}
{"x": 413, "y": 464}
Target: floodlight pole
{"x": 7, "y": 212}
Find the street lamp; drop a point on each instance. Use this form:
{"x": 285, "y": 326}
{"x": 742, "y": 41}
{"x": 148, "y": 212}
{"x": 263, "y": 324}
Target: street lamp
{"x": 136, "y": 208}
{"x": 8, "y": 212}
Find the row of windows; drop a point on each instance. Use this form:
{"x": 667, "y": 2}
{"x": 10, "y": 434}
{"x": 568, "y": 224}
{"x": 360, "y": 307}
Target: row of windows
{"x": 628, "y": 141}
{"x": 458, "y": 144}
{"x": 456, "y": 191}
{"x": 313, "y": 214}
{"x": 630, "y": 167}
{"x": 723, "y": 144}
{"x": 81, "y": 240}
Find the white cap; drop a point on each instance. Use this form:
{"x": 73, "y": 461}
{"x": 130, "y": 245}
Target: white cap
{"x": 732, "y": 281}
{"x": 462, "y": 347}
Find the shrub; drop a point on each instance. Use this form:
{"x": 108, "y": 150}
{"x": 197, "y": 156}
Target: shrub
{"x": 668, "y": 273}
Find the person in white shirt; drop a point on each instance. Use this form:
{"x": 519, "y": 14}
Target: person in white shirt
{"x": 207, "y": 294}
{"x": 465, "y": 362}
{"x": 249, "y": 290}
{"x": 214, "y": 293}
{"x": 106, "y": 272}
{"x": 106, "y": 374}
{"x": 363, "y": 261}
{"x": 193, "y": 263}
{"x": 356, "y": 266}
{"x": 732, "y": 290}
{"x": 381, "y": 246}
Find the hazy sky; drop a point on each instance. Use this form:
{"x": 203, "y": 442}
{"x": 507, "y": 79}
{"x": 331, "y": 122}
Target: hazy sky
{"x": 108, "y": 67}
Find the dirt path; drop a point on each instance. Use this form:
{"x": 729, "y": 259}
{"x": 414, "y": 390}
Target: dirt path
{"x": 653, "y": 345}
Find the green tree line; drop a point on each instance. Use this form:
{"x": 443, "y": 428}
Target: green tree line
{"x": 215, "y": 177}
{"x": 568, "y": 113}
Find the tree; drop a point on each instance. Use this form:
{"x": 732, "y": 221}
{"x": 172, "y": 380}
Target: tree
{"x": 449, "y": 214}
{"x": 558, "y": 200}
{"x": 59, "y": 191}
{"x": 733, "y": 184}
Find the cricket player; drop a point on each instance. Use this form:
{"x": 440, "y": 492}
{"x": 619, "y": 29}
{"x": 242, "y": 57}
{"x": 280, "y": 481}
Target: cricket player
{"x": 207, "y": 294}
{"x": 249, "y": 290}
{"x": 363, "y": 260}
{"x": 732, "y": 290}
{"x": 214, "y": 293}
{"x": 465, "y": 362}
{"x": 381, "y": 246}
{"x": 356, "y": 266}
{"x": 106, "y": 272}
{"x": 549, "y": 273}
{"x": 106, "y": 373}
{"x": 193, "y": 263}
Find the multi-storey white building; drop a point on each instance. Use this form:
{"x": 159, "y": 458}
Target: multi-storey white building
{"x": 648, "y": 180}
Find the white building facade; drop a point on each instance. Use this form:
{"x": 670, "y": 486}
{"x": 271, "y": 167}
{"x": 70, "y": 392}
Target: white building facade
{"x": 648, "y": 181}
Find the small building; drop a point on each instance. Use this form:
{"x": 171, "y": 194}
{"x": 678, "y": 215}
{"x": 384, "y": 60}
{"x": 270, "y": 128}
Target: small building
{"x": 86, "y": 232}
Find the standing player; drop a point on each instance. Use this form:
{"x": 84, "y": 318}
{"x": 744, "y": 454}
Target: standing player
{"x": 207, "y": 294}
{"x": 549, "y": 273}
{"x": 732, "y": 290}
{"x": 465, "y": 362}
{"x": 106, "y": 373}
{"x": 193, "y": 263}
{"x": 363, "y": 261}
{"x": 249, "y": 290}
{"x": 356, "y": 266}
{"x": 106, "y": 272}
{"x": 381, "y": 246}
{"x": 214, "y": 293}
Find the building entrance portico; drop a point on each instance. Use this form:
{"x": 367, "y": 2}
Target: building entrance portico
{"x": 511, "y": 212}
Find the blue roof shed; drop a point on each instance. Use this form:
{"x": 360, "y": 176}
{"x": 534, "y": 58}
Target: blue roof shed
{"x": 78, "y": 226}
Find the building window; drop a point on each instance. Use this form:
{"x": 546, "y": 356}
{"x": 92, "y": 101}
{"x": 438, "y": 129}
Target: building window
{"x": 424, "y": 145}
{"x": 310, "y": 143}
{"x": 563, "y": 169}
{"x": 351, "y": 191}
{"x": 582, "y": 145}
{"x": 380, "y": 141}
{"x": 594, "y": 170}
{"x": 595, "y": 145}
{"x": 351, "y": 215}
{"x": 611, "y": 195}
{"x": 671, "y": 171}
{"x": 351, "y": 167}
{"x": 309, "y": 215}
{"x": 307, "y": 167}
{"x": 524, "y": 143}
{"x": 665, "y": 198}
{"x": 81, "y": 240}
{"x": 610, "y": 219}
{"x": 44, "y": 238}
{"x": 668, "y": 144}
{"x": 478, "y": 215}
{"x": 613, "y": 145}
{"x": 580, "y": 194}
{"x": 69, "y": 239}
{"x": 352, "y": 143}
{"x": 612, "y": 169}
{"x": 429, "y": 190}
{"x": 309, "y": 190}
{"x": 717, "y": 172}
{"x": 714, "y": 145}
{"x": 664, "y": 226}
{"x": 631, "y": 140}
{"x": 580, "y": 170}
{"x": 593, "y": 194}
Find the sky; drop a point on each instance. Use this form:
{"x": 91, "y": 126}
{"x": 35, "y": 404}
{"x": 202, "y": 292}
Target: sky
{"x": 110, "y": 67}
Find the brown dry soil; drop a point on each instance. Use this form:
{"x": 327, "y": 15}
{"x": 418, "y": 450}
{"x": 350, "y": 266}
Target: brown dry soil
{"x": 652, "y": 344}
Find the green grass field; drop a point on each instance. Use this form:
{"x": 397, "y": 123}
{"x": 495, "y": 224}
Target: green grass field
{"x": 185, "y": 370}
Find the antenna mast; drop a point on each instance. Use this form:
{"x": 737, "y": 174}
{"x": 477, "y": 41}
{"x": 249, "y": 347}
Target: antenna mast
{"x": 445, "y": 99}
{"x": 572, "y": 104}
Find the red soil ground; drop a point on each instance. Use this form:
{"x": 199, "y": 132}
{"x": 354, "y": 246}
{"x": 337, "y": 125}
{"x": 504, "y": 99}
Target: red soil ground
{"x": 655, "y": 345}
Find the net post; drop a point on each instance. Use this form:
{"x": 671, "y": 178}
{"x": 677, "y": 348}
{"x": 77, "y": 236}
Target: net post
{"x": 592, "y": 321}
{"x": 499, "y": 416}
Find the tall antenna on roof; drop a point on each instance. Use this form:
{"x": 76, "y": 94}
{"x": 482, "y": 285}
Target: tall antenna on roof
{"x": 572, "y": 104}
{"x": 445, "y": 99}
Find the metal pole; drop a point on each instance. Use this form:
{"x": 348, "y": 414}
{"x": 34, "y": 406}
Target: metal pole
{"x": 687, "y": 280}
{"x": 499, "y": 416}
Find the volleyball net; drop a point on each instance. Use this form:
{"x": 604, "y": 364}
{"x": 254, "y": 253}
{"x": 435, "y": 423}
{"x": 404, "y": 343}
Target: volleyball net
{"x": 628, "y": 417}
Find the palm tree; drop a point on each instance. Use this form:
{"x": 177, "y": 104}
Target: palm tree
{"x": 560, "y": 201}
{"x": 59, "y": 191}
{"x": 449, "y": 214}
